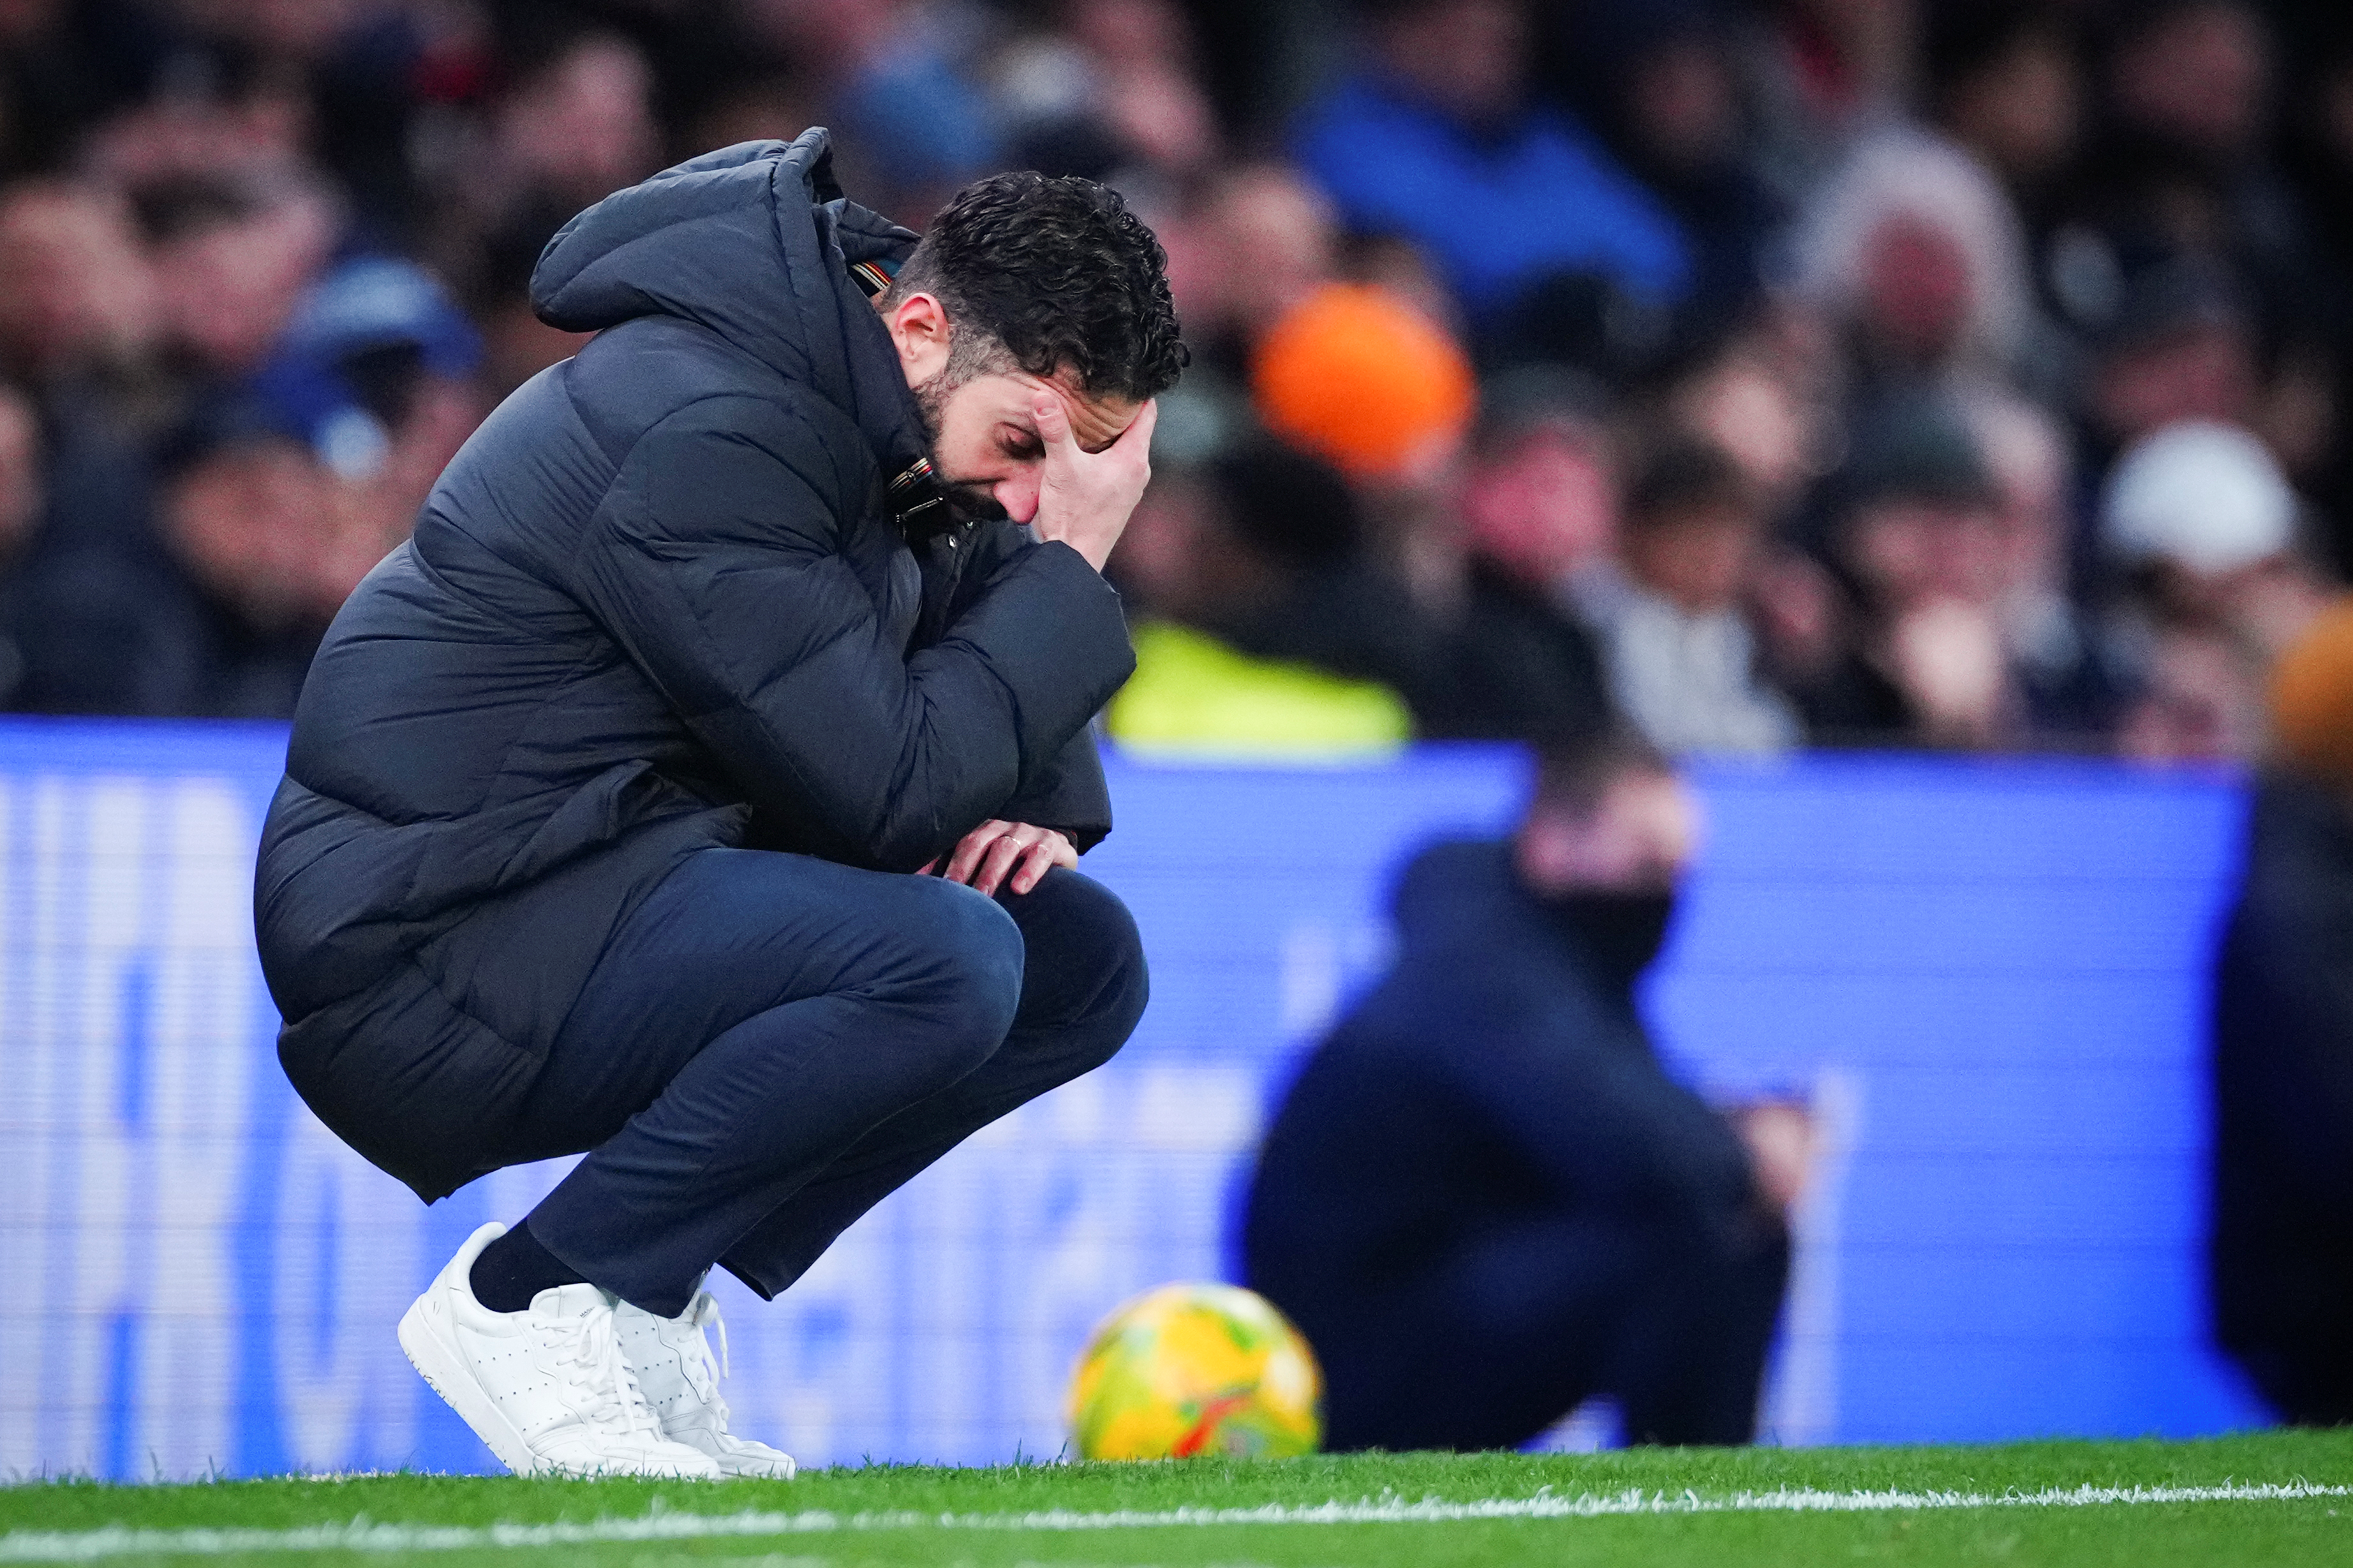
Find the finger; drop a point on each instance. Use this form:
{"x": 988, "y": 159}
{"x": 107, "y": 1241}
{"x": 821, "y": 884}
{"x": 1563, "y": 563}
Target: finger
{"x": 1036, "y": 861}
{"x": 1051, "y": 850}
{"x": 973, "y": 846}
{"x": 999, "y": 861}
{"x": 1053, "y": 422}
{"x": 929, "y": 867}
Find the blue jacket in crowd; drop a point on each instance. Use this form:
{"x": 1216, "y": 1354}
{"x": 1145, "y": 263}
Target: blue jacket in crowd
{"x": 675, "y": 593}
{"x": 1498, "y": 211}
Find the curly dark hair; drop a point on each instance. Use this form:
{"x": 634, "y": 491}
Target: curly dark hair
{"x": 1052, "y": 275}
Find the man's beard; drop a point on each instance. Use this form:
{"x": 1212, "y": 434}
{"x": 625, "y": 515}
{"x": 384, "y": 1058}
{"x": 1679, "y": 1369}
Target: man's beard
{"x": 969, "y": 501}
{"x": 932, "y": 406}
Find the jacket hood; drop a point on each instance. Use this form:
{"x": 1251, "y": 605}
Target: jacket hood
{"x": 1461, "y": 903}
{"x": 1457, "y": 891}
{"x": 756, "y": 243}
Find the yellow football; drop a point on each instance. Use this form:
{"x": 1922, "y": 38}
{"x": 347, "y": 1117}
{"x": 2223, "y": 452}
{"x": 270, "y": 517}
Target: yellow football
{"x": 1194, "y": 1370}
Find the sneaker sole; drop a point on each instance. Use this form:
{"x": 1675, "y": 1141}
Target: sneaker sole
{"x": 444, "y": 1371}
{"x": 782, "y": 1468}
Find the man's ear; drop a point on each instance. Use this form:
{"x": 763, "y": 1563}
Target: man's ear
{"x": 919, "y": 329}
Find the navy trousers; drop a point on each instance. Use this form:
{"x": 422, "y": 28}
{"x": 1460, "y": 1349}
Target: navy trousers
{"x": 1496, "y": 1338}
{"x": 771, "y": 1044}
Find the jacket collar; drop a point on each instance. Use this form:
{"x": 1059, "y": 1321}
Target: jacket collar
{"x": 872, "y": 250}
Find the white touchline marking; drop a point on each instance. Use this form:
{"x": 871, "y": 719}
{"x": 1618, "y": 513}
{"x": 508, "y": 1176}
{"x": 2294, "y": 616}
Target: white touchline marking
{"x": 362, "y": 1535}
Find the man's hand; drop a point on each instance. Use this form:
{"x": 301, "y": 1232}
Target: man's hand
{"x": 1782, "y": 1143}
{"x": 995, "y": 848}
{"x": 1084, "y": 497}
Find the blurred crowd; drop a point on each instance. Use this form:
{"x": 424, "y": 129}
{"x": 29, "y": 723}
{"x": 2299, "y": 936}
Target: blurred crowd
{"x": 1958, "y": 373}
{"x": 1962, "y": 373}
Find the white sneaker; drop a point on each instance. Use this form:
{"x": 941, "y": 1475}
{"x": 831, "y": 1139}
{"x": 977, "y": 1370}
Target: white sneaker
{"x": 547, "y": 1388}
{"x": 673, "y": 1360}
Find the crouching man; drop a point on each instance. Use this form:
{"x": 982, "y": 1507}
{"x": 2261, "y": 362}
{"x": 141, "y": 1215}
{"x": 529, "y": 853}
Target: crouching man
{"x": 1484, "y": 1201}
{"x": 611, "y": 793}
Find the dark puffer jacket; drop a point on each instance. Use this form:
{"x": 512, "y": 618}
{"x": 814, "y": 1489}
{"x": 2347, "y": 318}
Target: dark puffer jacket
{"x": 660, "y": 600}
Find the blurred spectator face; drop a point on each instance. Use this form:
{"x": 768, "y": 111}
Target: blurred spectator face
{"x": 230, "y": 288}
{"x": 1116, "y": 31}
{"x": 74, "y": 289}
{"x": 1162, "y": 115}
{"x": 372, "y": 515}
{"x": 21, "y": 489}
{"x": 1637, "y": 838}
{"x": 1947, "y": 659}
{"x": 2269, "y": 605}
{"x": 1140, "y": 54}
{"x": 1269, "y": 242}
{"x": 1914, "y": 551}
{"x": 2030, "y": 470}
{"x": 248, "y": 519}
{"x": 1544, "y": 506}
{"x": 1683, "y": 107}
{"x": 1277, "y": 225}
{"x": 2202, "y": 703}
{"x": 2022, "y": 110}
{"x": 1912, "y": 246}
{"x": 1755, "y": 418}
{"x": 1916, "y": 293}
{"x": 584, "y": 127}
{"x": 2259, "y": 609}
{"x": 2199, "y": 76}
{"x": 174, "y": 140}
{"x": 1701, "y": 557}
{"x": 2206, "y": 372}
{"x": 2295, "y": 411}
{"x": 1467, "y": 57}
{"x": 1155, "y": 562}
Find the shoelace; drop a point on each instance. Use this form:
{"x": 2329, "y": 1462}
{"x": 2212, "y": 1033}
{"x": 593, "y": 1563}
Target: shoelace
{"x": 618, "y": 1404}
{"x": 698, "y": 1365}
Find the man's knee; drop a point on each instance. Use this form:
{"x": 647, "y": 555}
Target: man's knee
{"x": 959, "y": 970}
{"x": 1085, "y": 966}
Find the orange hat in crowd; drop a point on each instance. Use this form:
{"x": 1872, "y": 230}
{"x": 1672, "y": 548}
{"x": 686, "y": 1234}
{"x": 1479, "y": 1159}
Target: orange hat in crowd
{"x": 1362, "y": 379}
{"x": 2312, "y": 699}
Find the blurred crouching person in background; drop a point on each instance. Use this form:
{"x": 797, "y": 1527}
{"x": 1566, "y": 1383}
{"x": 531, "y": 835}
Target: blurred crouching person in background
{"x": 2281, "y": 1256}
{"x": 1484, "y": 1200}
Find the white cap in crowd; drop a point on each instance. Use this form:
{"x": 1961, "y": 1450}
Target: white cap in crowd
{"x": 2205, "y": 496}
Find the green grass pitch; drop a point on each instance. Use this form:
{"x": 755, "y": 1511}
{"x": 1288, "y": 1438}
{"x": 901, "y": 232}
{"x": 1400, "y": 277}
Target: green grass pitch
{"x": 2261, "y": 1499}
